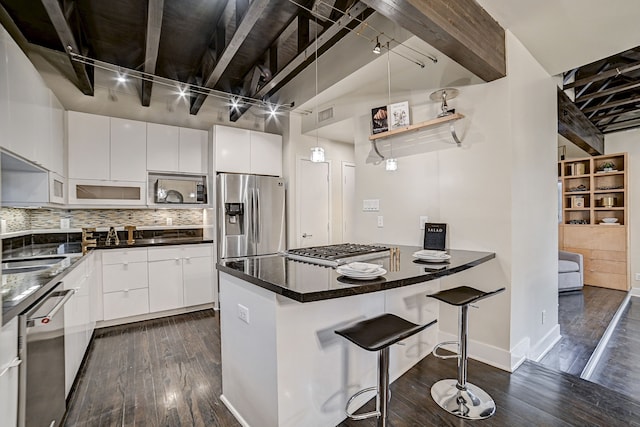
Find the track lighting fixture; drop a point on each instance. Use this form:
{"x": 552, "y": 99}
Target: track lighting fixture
{"x": 377, "y": 49}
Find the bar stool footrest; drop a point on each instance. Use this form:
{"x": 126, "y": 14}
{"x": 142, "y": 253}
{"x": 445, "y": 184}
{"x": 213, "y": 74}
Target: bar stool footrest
{"x": 471, "y": 402}
{"x": 445, "y": 356}
{"x": 365, "y": 415}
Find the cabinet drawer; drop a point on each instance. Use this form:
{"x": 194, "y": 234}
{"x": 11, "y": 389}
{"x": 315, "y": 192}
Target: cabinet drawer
{"x": 197, "y": 251}
{"x": 166, "y": 253}
{"x": 126, "y": 303}
{"x": 119, "y": 277}
{"x": 119, "y": 256}
{"x": 605, "y": 266}
{"x": 609, "y": 255}
{"x": 606, "y": 280}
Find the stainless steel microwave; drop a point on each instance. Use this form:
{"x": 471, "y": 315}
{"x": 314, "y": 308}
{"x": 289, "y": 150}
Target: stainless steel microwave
{"x": 180, "y": 191}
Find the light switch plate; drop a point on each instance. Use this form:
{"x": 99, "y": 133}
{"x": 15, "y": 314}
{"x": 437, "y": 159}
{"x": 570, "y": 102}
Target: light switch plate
{"x": 423, "y": 220}
{"x": 371, "y": 205}
{"x": 380, "y": 221}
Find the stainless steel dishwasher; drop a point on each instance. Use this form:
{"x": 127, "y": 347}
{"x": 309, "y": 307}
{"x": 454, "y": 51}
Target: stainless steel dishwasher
{"x": 41, "y": 349}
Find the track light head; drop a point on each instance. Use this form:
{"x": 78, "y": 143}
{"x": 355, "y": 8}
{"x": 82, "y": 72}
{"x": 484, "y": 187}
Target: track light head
{"x": 377, "y": 49}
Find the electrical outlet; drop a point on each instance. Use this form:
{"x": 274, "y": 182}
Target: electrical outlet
{"x": 243, "y": 313}
{"x": 637, "y": 276}
{"x": 544, "y": 315}
{"x": 380, "y": 221}
{"x": 423, "y": 220}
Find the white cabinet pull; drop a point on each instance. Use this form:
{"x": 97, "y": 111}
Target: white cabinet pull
{"x": 15, "y": 362}
{"x": 187, "y": 258}
{"x": 126, "y": 290}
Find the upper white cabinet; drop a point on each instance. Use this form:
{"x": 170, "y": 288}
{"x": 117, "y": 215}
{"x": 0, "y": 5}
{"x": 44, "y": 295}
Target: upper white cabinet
{"x": 176, "y": 149}
{"x": 128, "y": 150}
{"x": 4, "y": 90}
{"x": 266, "y": 153}
{"x": 57, "y": 153}
{"x": 162, "y": 147}
{"x": 88, "y": 146}
{"x": 193, "y": 153}
{"x": 247, "y": 151}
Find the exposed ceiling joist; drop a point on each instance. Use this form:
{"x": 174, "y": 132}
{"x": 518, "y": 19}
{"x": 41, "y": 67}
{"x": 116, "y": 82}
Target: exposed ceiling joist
{"x": 253, "y": 12}
{"x": 615, "y": 90}
{"x": 631, "y": 100}
{"x": 155, "y": 11}
{"x": 462, "y": 30}
{"x": 297, "y": 64}
{"x": 59, "y": 20}
{"x": 576, "y": 127}
{"x": 620, "y": 125}
{"x": 605, "y": 75}
{"x": 9, "y": 24}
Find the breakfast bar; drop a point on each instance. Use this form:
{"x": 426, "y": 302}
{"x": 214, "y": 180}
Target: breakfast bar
{"x": 282, "y": 363}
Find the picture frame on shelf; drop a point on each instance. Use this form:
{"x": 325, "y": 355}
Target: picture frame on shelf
{"x": 399, "y": 115}
{"x": 379, "y": 120}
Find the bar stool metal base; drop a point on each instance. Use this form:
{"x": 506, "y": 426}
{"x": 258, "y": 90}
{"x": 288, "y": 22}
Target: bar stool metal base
{"x": 472, "y": 403}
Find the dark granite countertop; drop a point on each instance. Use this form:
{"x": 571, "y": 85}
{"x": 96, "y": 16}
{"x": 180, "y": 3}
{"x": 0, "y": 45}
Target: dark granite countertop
{"x": 304, "y": 282}
{"x": 157, "y": 241}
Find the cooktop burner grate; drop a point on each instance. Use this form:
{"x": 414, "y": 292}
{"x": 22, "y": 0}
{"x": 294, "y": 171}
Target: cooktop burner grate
{"x": 334, "y": 255}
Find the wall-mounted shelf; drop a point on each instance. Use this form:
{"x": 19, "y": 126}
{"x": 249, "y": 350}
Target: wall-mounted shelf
{"x": 419, "y": 126}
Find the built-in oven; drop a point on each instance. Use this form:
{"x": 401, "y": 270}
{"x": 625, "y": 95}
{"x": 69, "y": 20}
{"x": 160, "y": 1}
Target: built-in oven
{"x": 41, "y": 350}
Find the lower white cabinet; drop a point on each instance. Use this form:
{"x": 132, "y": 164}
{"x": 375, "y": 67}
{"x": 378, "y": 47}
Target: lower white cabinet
{"x": 165, "y": 284}
{"x": 125, "y": 283}
{"x": 198, "y": 278}
{"x": 9, "y": 373}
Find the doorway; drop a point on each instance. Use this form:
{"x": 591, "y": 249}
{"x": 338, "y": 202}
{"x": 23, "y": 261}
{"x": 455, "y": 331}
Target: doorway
{"x": 313, "y": 203}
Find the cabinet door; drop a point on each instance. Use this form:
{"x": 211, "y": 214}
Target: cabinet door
{"x": 126, "y": 303}
{"x": 128, "y": 150}
{"x": 193, "y": 151}
{"x": 162, "y": 147}
{"x": 266, "y": 154}
{"x": 165, "y": 285}
{"x": 57, "y": 150}
{"x": 9, "y": 379}
{"x": 5, "y": 118}
{"x": 233, "y": 149}
{"x": 198, "y": 280}
{"x": 120, "y": 277}
{"x": 88, "y": 146}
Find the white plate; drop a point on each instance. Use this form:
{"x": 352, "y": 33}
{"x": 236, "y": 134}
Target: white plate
{"x": 359, "y": 275}
{"x": 433, "y": 260}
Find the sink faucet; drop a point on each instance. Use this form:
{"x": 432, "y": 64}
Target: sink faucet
{"x": 130, "y": 229}
{"x": 87, "y": 240}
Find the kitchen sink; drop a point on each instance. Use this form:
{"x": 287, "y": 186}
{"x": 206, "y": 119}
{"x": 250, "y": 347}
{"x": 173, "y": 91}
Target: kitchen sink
{"x": 27, "y": 265}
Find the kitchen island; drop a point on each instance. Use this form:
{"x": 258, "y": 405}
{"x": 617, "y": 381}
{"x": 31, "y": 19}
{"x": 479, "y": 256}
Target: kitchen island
{"x": 282, "y": 363}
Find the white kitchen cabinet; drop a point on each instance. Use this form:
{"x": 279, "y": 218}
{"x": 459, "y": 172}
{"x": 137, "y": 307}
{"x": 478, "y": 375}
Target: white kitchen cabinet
{"x": 5, "y": 117}
{"x": 193, "y": 151}
{"x": 165, "y": 285}
{"x": 266, "y": 153}
{"x": 233, "y": 149}
{"x": 88, "y": 146}
{"x": 9, "y": 373}
{"x": 77, "y": 321}
{"x": 128, "y": 150}
{"x": 246, "y": 151}
{"x": 162, "y": 147}
{"x": 56, "y": 152}
{"x": 57, "y": 189}
{"x": 198, "y": 277}
{"x": 125, "y": 283}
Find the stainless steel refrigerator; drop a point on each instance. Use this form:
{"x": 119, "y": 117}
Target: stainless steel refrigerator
{"x": 251, "y": 215}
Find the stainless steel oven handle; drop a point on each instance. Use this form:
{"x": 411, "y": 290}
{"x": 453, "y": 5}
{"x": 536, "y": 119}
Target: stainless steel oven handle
{"x": 47, "y": 317}
{"x": 14, "y": 363}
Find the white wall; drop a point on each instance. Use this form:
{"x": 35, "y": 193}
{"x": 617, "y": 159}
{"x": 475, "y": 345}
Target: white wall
{"x": 497, "y": 193}
{"x": 620, "y": 142}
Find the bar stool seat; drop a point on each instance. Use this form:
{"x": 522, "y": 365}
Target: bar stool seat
{"x": 457, "y": 396}
{"x": 378, "y": 334}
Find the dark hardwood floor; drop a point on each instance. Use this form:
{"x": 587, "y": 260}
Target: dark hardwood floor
{"x": 619, "y": 368}
{"x": 583, "y": 317}
{"x": 166, "y": 372}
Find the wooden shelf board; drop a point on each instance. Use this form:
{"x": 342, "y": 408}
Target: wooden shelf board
{"x": 618, "y": 190}
{"x": 615, "y": 208}
{"x": 417, "y": 126}
{"x": 577, "y": 193}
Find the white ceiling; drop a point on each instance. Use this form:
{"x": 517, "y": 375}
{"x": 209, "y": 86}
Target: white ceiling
{"x": 565, "y": 34}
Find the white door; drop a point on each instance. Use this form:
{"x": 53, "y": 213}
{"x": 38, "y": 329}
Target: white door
{"x": 313, "y": 203}
{"x": 348, "y": 201}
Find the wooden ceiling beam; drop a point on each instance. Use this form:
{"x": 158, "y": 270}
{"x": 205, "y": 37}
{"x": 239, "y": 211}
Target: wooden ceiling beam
{"x": 623, "y": 125}
{"x": 632, "y": 100}
{"x": 307, "y": 56}
{"x": 246, "y": 23}
{"x": 619, "y": 112}
{"x": 460, "y": 29}
{"x": 155, "y": 10}
{"x": 84, "y": 73}
{"x": 574, "y": 125}
{"x": 604, "y": 75}
{"x": 612, "y": 91}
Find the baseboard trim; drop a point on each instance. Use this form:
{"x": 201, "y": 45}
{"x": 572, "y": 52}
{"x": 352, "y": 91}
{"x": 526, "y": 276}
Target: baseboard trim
{"x": 635, "y": 292}
{"x": 602, "y": 344}
{"x": 545, "y": 344}
{"x": 149, "y": 316}
{"x": 485, "y": 353}
{"x": 233, "y": 411}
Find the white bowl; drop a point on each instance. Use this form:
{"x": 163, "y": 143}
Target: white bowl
{"x": 610, "y": 220}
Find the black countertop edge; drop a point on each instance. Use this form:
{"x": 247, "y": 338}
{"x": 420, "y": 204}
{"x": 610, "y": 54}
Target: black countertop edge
{"x": 11, "y": 312}
{"x": 376, "y": 285}
{"x": 144, "y": 243}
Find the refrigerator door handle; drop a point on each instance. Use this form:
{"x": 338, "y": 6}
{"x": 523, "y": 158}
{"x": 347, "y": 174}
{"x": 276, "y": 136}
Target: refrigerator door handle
{"x": 257, "y": 213}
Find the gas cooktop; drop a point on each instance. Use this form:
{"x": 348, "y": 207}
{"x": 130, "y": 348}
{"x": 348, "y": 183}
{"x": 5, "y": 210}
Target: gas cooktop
{"x": 334, "y": 255}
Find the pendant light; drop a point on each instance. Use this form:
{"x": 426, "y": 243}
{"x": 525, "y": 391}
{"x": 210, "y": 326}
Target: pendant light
{"x": 392, "y": 163}
{"x": 317, "y": 152}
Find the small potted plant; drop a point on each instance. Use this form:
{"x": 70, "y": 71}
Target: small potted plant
{"x": 608, "y": 166}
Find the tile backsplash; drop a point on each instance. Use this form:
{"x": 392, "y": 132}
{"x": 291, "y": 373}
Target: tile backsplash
{"x": 34, "y": 219}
